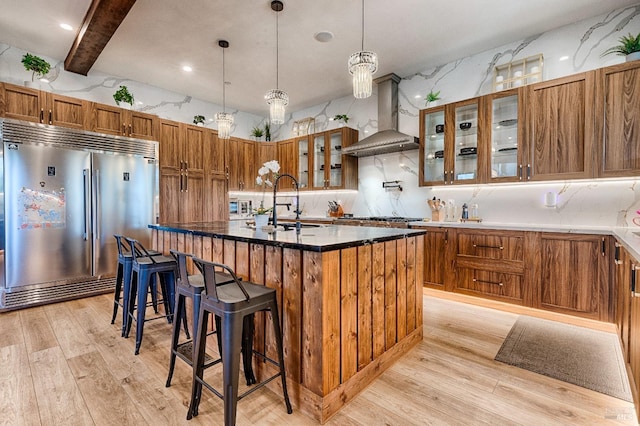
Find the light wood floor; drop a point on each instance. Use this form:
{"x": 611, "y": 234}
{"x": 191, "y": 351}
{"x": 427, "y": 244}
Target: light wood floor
{"x": 65, "y": 364}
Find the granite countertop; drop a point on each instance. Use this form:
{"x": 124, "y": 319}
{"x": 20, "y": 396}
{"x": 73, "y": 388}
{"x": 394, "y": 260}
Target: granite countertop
{"x": 319, "y": 239}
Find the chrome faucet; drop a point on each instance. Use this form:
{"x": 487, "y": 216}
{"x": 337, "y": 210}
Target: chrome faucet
{"x": 274, "y": 220}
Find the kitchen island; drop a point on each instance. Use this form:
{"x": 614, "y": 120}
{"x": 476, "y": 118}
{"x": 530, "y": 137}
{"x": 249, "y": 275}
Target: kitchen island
{"x": 350, "y": 299}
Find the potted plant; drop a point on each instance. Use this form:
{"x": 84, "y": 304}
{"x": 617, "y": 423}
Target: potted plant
{"x": 267, "y": 131}
{"x": 198, "y": 120}
{"x": 37, "y": 66}
{"x": 123, "y": 95}
{"x": 341, "y": 117}
{"x": 256, "y": 132}
{"x": 432, "y": 98}
{"x": 629, "y": 47}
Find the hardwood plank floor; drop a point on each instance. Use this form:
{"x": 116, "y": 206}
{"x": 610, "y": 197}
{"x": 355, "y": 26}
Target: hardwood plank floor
{"x": 67, "y": 364}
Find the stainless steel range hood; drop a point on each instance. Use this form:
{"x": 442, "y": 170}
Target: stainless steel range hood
{"x": 388, "y": 138}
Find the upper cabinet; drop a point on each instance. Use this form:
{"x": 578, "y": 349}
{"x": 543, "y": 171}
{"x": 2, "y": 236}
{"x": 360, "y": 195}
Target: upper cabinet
{"x": 560, "y": 119}
{"x": 544, "y": 131}
{"x": 505, "y": 132}
{"x": 328, "y": 167}
{"x": 451, "y": 138}
{"x": 618, "y": 92}
{"x": 288, "y": 158}
{"x": 241, "y": 164}
{"x": 23, "y": 103}
{"x": 122, "y": 122}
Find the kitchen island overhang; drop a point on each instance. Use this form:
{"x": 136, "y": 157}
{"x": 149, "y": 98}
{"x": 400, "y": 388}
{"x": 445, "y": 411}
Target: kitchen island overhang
{"x": 350, "y": 298}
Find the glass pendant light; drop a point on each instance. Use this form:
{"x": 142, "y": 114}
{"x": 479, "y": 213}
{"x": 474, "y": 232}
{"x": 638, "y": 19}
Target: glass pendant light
{"x": 362, "y": 65}
{"x": 277, "y": 99}
{"x": 224, "y": 120}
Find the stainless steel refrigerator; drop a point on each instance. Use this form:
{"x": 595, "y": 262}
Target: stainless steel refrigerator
{"x": 66, "y": 193}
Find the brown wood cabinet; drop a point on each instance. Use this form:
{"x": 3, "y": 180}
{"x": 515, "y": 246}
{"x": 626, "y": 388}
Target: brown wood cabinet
{"x": 329, "y": 168}
{"x": 241, "y": 164}
{"x": 574, "y": 274}
{"x": 117, "y": 121}
{"x": 618, "y": 124}
{"x": 287, "y": 154}
{"x": 491, "y": 264}
{"x": 438, "y": 246}
{"x": 182, "y": 174}
{"x": 23, "y": 103}
{"x": 452, "y": 141}
{"x": 560, "y": 128}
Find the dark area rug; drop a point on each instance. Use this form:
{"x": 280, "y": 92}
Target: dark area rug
{"x": 581, "y": 356}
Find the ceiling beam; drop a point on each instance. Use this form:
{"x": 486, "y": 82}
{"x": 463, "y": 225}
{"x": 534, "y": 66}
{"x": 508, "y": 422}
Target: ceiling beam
{"x": 100, "y": 23}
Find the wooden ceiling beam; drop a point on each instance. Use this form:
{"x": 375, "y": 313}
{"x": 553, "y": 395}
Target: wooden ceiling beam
{"x": 100, "y": 23}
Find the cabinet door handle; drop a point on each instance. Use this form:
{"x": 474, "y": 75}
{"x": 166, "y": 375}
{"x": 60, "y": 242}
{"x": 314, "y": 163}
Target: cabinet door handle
{"x": 475, "y": 280}
{"x": 616, "y": 254}
{"x": 528, "y": 171}
{"x": 488, "y": 247}
{"x": 604, "y": 246}
{"x": 130, "y": 129}
{"x": 632, "y": 281}
{"x": 186, "y": 182}
{"x": 42, "y": 115}
{"x": 445, "y": 177}
{"x": 451, "y": 176}
{"x": 520, "y": 172}
{"x": 50, "y": 117}
{"x": 124, "y": 129}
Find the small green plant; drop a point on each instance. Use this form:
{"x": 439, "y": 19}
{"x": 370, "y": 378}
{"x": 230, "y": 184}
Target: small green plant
{"x": 36, "y": 65}
{"x": 432, "y": 96}
{"x": 257, "y": 132}
{"x": 123, "y": 95}
{"x": 341, "y": 117}
{"x": 267, "y": 131}
{"x": 628, "y": 44}
{"x": 198, "y": 119}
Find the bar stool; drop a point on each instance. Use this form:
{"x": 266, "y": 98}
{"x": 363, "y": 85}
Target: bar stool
{"x": 144, "y": 270}
{"x": 192, "y": 286}
{"x": 123, "y": 282}
{"x": 232, "y": 302}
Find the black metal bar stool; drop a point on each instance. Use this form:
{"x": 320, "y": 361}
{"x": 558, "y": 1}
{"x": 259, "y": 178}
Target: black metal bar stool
{"x": 192, "y": 286}
{"x": 232, "y": 302}
{"x": 144, "y": 270}
{"x": 123, "y": 282}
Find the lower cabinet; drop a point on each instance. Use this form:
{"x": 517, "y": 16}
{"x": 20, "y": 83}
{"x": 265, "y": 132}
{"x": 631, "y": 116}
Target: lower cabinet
{"x": 574, "y": 275}
{"x": 561, "y": 272}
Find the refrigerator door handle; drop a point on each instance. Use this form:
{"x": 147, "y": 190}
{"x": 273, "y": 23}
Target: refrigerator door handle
{"x": 98, "y": 205}
{"x": 87, "y": 203}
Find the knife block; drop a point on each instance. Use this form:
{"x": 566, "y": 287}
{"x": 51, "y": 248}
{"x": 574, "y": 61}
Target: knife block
{"x": 339, "y": 212}
{"x": 436, "y": 215}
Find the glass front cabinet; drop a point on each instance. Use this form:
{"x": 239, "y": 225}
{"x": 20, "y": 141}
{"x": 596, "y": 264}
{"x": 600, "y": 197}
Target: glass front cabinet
{"x": 330, "y": 168}
{"x": 505, "y": 134}
{"x": 473, "y": 141}
{"x": 449, "y": 144}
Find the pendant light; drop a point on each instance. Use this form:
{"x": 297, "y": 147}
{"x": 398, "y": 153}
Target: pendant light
{"x": 277, "y": 99}
{"x": 362, "y": 65}
{"x": 224, "y": 120}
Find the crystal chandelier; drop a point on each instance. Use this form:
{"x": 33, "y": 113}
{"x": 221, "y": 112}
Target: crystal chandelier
{"x": 277, "y": 99}
{"x": 362, "y": 65}
{"x": 224, "y": 120}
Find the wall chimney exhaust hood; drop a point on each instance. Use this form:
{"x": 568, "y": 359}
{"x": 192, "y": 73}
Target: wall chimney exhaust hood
{"x": 388, "y": 138}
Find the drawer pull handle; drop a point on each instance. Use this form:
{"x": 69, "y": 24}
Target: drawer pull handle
{"x": 489, "y": 247}
{"x": 475, "y": 280}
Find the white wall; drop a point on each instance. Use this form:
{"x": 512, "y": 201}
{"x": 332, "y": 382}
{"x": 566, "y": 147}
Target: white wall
{"x": 605, "y": 203}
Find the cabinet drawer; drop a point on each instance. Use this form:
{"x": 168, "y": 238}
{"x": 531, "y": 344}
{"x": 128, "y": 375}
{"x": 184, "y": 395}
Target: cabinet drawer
{"x": 489, "y": 283}
{"x": 494, "y": 246}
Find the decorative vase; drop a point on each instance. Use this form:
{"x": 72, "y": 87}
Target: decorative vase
{"x": 432, "y": 104}
{"x": 632, "y": 56}
{"x": 124, "y": 105}
{"x": 32, "y": 84}
{"x": 200, "y": 124}
{"x": 261, "y": 220}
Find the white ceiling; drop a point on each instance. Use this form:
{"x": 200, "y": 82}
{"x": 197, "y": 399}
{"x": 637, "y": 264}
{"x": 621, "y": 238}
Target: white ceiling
{"x": 158, "y": 37}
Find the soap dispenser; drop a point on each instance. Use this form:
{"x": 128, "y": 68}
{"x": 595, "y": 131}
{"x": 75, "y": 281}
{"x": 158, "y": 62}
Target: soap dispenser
{"x": 465, "y": 211}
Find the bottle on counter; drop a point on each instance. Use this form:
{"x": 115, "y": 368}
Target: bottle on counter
{"x": 465, "y": 211}
{"x": 474, "y": 211}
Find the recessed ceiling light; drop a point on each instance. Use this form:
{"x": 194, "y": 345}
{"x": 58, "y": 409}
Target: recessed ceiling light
{"x": 323, "y": 36}
{"x": 187, "y": 68}
{"x": 66, "y": 27}
{"x": 563, "y": 58}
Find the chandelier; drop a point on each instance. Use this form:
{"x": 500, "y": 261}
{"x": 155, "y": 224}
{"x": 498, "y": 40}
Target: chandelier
{"x": 277, "y": 99}
{"x": 362, "y": 65}
{"x": 224, "y": 120}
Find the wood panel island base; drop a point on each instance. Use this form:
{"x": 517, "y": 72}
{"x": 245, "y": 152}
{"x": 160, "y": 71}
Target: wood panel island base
{"x": 350, "y": 299}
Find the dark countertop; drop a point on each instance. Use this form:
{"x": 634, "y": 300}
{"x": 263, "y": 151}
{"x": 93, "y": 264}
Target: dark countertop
{"x": 325, "y": 238}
